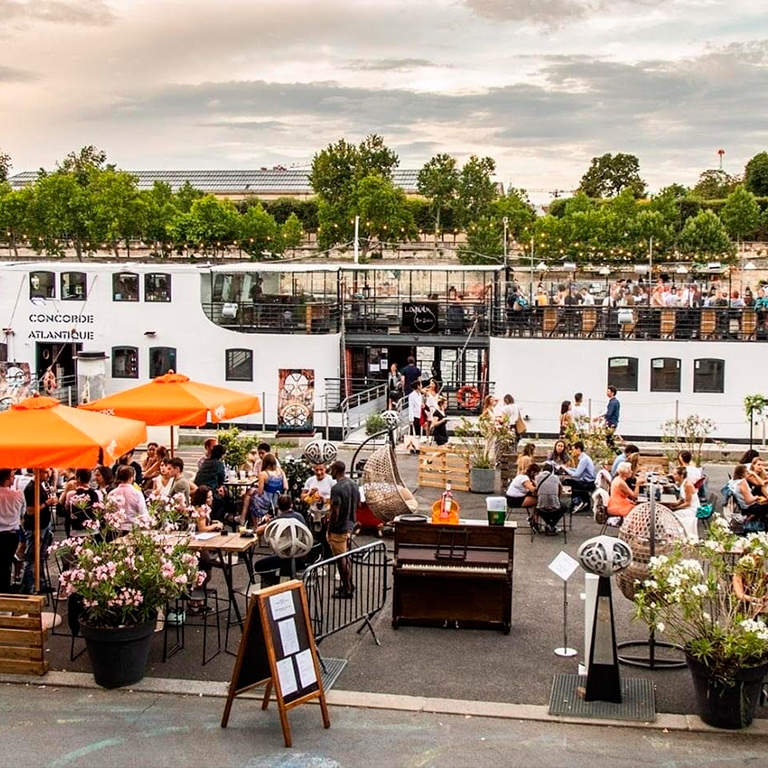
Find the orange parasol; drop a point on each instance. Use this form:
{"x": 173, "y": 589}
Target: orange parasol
{"x": 175, "y": 400}
{"x": 39, "y": 433}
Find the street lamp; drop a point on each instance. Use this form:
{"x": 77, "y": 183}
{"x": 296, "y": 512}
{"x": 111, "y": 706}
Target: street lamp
{"x": 505, "y": 220}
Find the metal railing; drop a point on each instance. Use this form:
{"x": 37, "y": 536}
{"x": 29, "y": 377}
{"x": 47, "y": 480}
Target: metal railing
{"x": 356, "y": 408}
{"x": 281, "y": 315}
{"x": 368, "y": 569}
{"x": 337, "y": 389}
{"x": 638, "y": 322}
{"x": 417, "y": 316}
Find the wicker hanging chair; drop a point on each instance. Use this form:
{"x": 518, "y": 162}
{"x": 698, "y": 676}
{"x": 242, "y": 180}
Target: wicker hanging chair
{"x": 635, "y": 531}
{"x": 382, "y": 484}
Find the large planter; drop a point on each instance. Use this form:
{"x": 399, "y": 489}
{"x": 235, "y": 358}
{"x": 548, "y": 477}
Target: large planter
{"x": 732, "y": 706}
{"x": 482, "y": 480}
{"x": 118, "y": 655}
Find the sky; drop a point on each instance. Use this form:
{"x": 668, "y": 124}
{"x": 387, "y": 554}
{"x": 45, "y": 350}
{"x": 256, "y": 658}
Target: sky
{"x": 541, "y": 86}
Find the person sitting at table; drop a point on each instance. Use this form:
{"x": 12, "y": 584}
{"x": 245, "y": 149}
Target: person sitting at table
{"x": 207, "y": 447}
{"x": 751, "y": 506}
{"x": 272, "y": 567}
{"x": 559, "y": 454}
{"x": 126, "y": 460}
{"x": 626, "y": 455}
{"x": 104, "y": 481}
{"x": 623, "y": 498}
{"x": 525, "y": 459}
{"x": 749, "y": 456}
{"x": 757, "y": 477}
{"x": 176, "y": 474}
{"x": 162, "y": 484}
{"x": 685, "y": 508}
{"x": 213, "y": 473}
{"x": 202, "y": 504}
{"x": 150, "y": 458}
{"x": 259, "y": 499}
{"x": 521, "y": 493}
{"x": 548, "y": 492}
{"x": 749, "y": 583}
{"x": 581, "y": 477}
{"x": 128, "y": 497}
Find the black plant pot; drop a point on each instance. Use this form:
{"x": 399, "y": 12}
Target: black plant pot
{"x": 118, "y": 654}
{"x": 731, "y": 706}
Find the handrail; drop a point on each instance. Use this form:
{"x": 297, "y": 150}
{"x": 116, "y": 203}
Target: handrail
{"x": 356, "y": 400}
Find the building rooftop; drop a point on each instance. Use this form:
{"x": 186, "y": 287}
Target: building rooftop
{"x": 291, "y": 181}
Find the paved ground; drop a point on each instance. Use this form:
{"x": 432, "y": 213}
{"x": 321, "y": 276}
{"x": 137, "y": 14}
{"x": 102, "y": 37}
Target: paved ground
{"x": 54, "y": 728}
{"x": 480, "y": 665}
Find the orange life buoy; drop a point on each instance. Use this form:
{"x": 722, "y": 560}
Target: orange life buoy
{"x": 468, "y": 397}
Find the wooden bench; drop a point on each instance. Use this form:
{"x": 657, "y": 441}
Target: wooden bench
{"x": 22, "y": 637}
{"x": 435, "y": 467}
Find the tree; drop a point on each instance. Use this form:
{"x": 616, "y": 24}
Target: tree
{"x": 84, "y": 163}
{"x": 438, "y": 182}
{"x": 333, "y": 172}
{"x": 374, "y": 156}
{"x": 186, "y": 196}
{"x": 740, "y": 214}
{"x": 14, "y": 213}
{"x": 292, "y": 232}
{"x": 5, "y": 165}
{"x": 118, "y": 212}
{"x": 259, "y": 233}
{"x": 705, "y": 236}
{"x": 160, "y": 211}
{"x": 609, "y": 174}
{"x": 476, "y": 190}
{"x": 755, "y": 175}
{"x": 515, "y": 207}
{"x": 213, "y": 223}
{"x": 384, "y": 212}
{"x": 484, "y": 242}
{"x": 714, "y": 184}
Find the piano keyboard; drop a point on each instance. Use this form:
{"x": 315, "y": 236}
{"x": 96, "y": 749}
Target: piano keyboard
{"x": 452, "y": 568}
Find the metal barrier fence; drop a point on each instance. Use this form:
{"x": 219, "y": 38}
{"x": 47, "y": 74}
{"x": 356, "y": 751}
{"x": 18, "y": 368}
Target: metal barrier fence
{"x": 369, "y": 570}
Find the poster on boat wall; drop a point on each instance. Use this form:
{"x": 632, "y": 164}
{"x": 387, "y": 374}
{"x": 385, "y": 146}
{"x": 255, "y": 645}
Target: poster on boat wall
{"x": 15, "y": 383}
{"x": 296, "y": 401}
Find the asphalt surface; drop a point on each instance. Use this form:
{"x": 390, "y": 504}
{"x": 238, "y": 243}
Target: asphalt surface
{"x": 44, "y": 727}
{"x": 482, "y": 665}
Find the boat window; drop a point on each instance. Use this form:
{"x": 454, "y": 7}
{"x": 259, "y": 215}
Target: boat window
{"x": 239, "y": 365}
{"x": 125, "y": 287}
{"x": 125, "y": 363}
{"x": 74, "y": 286}
{"x": 665, "y": 374}
{"x": 161, "y": 360}
{"x": 42, "y": 285}
{"x": 622, "y": 373}
{"x": 3, "y": 353}
{"x": 709, "y": 375}
{"x": 157, "y": 287}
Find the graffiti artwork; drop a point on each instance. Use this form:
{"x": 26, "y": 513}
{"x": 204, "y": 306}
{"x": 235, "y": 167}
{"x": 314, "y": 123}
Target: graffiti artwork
{"x": 15, "y": 383}
{"x": 296, "y": 401}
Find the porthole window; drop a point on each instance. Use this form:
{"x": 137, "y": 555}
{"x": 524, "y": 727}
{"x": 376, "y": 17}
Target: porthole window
{"x": 622, "y": 373}
{"x": 239, "y": 365}
{"x": 665, "y": 374}
{"x": 709, "y": 375}
{"x": 125, "y": 363}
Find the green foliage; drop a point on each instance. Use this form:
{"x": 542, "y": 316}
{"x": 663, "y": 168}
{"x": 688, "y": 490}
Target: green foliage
{"x": 755, "y": 406}
{"x": 609, "y": 175}
{"x": 186, "y": 195}
{"x": 117, "y": 211}
{"x": 292, "y": 232}
{"x": 14, "y": 213}
{"x": 212, "y": 222}
{"x": 485, "y": 242}
{"x": 594, "y": 435}
{"x": 237, "y": 445}
{"x": 5, "y": 165}
{"x": 704, "y": 236}
{"x": 518, "y": 211}
{"x": 383, "y": 210}
{"x": 688, "y": 434}
{"x": 756, "y": 174}
{"x": 259, "y": 233}
{"x": 160, "y": 211}
{"x": 713, "y": 184}
{"x": 476, "y": 190}
{"x": 438, "y": 182}
{"x": 741, "y": 213}
{"x": 374, "y": 424}
{"x": 296, "y": 473}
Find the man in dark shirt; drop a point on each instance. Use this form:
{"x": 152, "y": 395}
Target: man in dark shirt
{"x": 611, "y": 415}
{"x": 48, "y": 500}
{"x": 345, "y": 498}
{"x": 410, "y": 373}
{"x": 127, "y": 460}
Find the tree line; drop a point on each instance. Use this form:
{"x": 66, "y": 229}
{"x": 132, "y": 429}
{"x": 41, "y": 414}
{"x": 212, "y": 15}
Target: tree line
{"x": 87, "y": 203}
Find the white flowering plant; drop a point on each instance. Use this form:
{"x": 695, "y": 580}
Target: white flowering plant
{"x": 124, "y": 572}
{"x": 710, "y": 600}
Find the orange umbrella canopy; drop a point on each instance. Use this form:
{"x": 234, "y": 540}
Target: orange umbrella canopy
{"x": 39, "y": 432}
{"x": 174, "y": 400}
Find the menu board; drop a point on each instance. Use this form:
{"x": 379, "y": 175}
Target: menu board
{"x": 278, "y": 650}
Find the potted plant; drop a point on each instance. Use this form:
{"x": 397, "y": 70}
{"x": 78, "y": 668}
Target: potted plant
{"x": 121, "y": 580}
{"x": 755, "y": 407}
{"x": 688, "y": 434}
{"x": 237, "y": 446}
{"x": 595, "y": 436}
{"x": 712, "y": 605}
{"x": 374, "y": 424}
{"x": 478, "y": 440}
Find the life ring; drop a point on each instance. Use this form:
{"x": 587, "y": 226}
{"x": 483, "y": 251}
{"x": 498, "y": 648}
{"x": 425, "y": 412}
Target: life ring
{"x": 468, "y": 397}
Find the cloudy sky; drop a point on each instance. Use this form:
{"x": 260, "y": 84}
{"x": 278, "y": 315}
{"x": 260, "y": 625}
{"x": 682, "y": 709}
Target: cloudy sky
{"x": 540, "y": 85}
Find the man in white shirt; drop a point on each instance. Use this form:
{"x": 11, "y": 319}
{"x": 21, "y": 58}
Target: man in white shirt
{"x": 317, "y": 489}
{"x": 578, "y": 410}
{"x": 12, "y": 508}
{"x": 587, "y": 299}
{"x": 131, "y": 501}
{"x": 415, "y": 402}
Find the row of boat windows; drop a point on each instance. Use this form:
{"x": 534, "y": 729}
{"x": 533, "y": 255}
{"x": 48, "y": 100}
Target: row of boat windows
{"x": 125, "y": 363}
{"x": 126, "y": 286}
{"x": 666, "y": 374}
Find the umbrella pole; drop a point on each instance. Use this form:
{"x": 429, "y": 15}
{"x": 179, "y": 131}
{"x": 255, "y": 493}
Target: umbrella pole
{"x": 37, "y": 530}
{"x": 172, "y": 453}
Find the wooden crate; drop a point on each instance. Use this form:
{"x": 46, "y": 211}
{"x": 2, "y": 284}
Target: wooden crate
{"x": 748, "y": 323}
{"x": 550, "y": 319}
{"x": 436, "y": 467}
{"x": 22, "y": 637}
{"x": 708, "y": 323}
{"x": 588, "y": 320}
{"x": 667, "y": 323}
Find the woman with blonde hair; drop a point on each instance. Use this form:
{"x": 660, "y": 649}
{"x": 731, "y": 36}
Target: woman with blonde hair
{"x": 525, "y": 459}
{"x": 623, "y": 499}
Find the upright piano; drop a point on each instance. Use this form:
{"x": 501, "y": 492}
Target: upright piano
{"x": 453, "y": 575}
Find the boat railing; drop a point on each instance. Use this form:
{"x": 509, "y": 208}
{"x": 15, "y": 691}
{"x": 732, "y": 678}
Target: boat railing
{"x": 283, "y": 315}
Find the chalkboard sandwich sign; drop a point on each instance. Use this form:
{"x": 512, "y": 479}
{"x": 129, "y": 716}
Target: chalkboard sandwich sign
{"x": 278, "y": 650}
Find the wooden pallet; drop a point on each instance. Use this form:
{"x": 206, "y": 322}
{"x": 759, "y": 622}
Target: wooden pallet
{"x": 453, "y": 466}
{"x": 22, "y": 637}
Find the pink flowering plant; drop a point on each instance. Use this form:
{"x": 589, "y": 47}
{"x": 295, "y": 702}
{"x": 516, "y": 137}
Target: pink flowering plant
{"x": 124, "y": 571}
{"x": 691, "y": 597}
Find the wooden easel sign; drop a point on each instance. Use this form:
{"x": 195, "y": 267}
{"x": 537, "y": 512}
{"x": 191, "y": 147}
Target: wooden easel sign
{"x": 278, "y": 650}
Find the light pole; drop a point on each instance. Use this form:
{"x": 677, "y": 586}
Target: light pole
{"x": 357, "y": 247}
{"x": 650, "y": 259}
{"x": 506, "y": 222}
{"x": 533, "y": 240}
